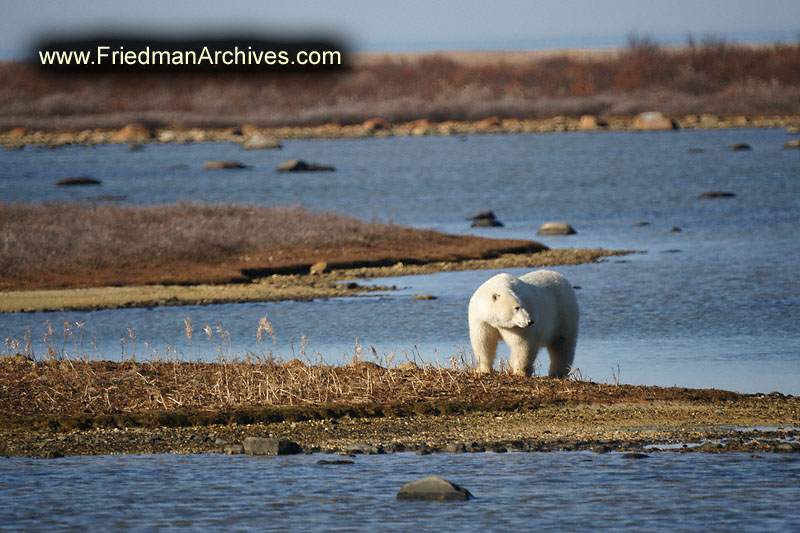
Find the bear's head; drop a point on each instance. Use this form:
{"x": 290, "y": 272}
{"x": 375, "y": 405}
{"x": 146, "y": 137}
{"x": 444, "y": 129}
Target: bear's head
{"x": 507, "y": 311}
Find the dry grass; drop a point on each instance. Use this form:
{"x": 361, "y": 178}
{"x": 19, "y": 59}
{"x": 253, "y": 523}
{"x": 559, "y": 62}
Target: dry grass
{"x": 711, "y": 76}
{"x": 71, "y": 244}
{"x": 99, "y": 392}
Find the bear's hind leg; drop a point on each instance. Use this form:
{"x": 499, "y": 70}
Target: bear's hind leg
{"x": 562, "y": 353}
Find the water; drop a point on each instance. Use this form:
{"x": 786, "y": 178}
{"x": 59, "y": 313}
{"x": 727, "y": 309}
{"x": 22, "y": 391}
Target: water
{"x": 715, "y": 305}
{"x": 721, "y": 311}
{"x": 558, "y": 491}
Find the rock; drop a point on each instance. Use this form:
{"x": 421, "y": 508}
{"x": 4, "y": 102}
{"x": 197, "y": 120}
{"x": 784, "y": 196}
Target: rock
{"x": 318, "y": 268}
{"x": 167, "y": 136}
{"x": 635, "y": 455}
{"x": 591, "y": 123}
{"x": 740, "y": 147}
{"x": 16, "y": 132}
{"x": 261, "y": 142}
{"x": 423, "y": 297}
{"x": 488, "y": 123}
{"x": 366, "y": 449}
{"x": 375, "y": 124}
{"x": 263, "y": 446}
{"x": 132, "y": 133}
{"x": 298, "y": 165}
{"x": 217, "y": 165}
{"x": 433, "y": 489}
{"x": 675, "y": 229}
{"x": 556, "y": 228}
{"x": 135, "y": 147}
{"x": 653, "y": 120}
{"x": 456, "y": 447}
{"x": 794, "y": 143}
{"x": 293, "y": 363}
{"x": 233, "y": 449}
{"x": 483, "y": 215}
{"x": 487, "y": 223}
{"x": 485, "y": 219}
{"x": 78, "y": 180}
{"x": 408, "y": 365}
{"x": 716, "y": 194}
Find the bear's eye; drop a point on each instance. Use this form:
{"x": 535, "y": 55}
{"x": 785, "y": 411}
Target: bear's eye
{"x": 517, "y": 308}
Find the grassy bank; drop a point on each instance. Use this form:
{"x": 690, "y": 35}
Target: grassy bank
{"x": 56, "y": 407}
{"x": 70, "y": 245}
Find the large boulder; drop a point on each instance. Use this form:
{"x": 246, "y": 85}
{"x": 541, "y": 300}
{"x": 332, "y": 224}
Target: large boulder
{"x": 264, "y": 446}
{"x": 433, "y": 488}
{"x": 653, "y": 120}
{"x": 556, "y": 228}
{"x": 591, "y": 123}
{"x": 376, "y": 124}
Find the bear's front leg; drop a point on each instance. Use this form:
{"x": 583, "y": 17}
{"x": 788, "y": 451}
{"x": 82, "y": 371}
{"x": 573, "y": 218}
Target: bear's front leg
{"x": 522, "y": 354}
{"x": 484, "y": 339}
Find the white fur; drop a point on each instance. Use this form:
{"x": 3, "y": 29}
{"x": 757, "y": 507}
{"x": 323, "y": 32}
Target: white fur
{"x": 529, "y": 313}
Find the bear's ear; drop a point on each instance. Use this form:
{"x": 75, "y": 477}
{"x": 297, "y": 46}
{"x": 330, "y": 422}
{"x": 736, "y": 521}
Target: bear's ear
{"x": 495, "y": 296}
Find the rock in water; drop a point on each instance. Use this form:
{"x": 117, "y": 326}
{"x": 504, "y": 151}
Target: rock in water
{"x": 716, "y": 194}
{"x": 78, "y": 180}
{"x": 217, "y": 165}
{"x": 262, "y": 446}
{"x": 298, "y": 165}
{"x": 433, "y": 489}
{"x": 556, "y": 228}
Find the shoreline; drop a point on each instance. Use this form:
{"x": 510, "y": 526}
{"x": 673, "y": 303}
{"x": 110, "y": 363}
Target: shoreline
{"x": 135, "y": 133}
{"x": 755, "y": 424}
{"x": 278, "y": 287}
{"x": 60, "y": 407}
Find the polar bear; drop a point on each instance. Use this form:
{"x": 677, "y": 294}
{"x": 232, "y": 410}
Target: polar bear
{"x": 536, "y": 310}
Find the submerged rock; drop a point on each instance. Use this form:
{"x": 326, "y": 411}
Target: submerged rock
{"x": 433, "y": 488}
{"x": 298, "y": 165}
{"x": 556, "y": 228}
{"x": 716, "y": 194}
{"x": 740, "y": 147}
{"x": 217, "y": 165}
{"x": 78, "y": 180}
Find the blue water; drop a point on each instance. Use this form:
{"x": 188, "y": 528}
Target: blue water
{"x": 715, "y": 305}
{"x": 557, "y": 491}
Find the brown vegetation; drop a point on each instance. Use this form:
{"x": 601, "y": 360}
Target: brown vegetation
{"x": 708, "y": 77}
{"x": 81, "y": 393}
{"x": 74, "y": 245}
